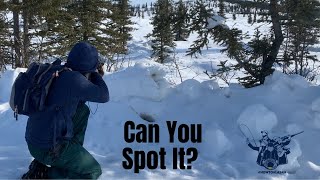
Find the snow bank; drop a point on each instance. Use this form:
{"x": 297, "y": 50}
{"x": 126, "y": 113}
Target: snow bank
{"x": 258, "y": 118}
{"x": 144, "y": 80}
{"x": 219, "y": 144}
{"x": 279, "y": 107}
{"x": 279, "y": 82}
{"x": 6, "y": 80}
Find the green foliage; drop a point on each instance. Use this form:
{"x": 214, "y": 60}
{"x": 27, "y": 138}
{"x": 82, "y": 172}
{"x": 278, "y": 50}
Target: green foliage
{"x": 256, "y": 60}
{"x": 162, "y": 36}
{"x": 120, "y": 26}
{"x": 85, "y": 20}
{"x": 221, "y": 11}
{"x": 234, "y": 17}
{"x": 51, "y": 28}
{"x": 302, "y": 28}
{"x": 180, "y": 18}
{"x": 5, "y": 55}
{"x": 250, "y": 18}
{"x": 200, "y": 15}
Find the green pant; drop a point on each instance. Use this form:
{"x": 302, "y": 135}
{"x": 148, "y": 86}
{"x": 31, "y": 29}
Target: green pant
{"x": 73, "y": 161}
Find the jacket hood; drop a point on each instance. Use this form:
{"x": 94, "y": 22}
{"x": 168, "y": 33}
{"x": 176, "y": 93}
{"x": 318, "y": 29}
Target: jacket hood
{"x": 83, "y": 57}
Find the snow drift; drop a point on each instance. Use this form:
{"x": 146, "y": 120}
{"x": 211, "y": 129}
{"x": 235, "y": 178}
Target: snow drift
{"x": 284, "y": 105}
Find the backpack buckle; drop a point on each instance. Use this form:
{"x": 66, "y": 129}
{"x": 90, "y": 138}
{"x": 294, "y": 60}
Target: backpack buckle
{"x": 15, "y": 114}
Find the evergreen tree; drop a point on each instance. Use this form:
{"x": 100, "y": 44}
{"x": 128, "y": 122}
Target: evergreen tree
{"x": 302, "y": 29}
{"x": 68, "y": 22}
{"x": 200, "y": 16}
{"x": 5, "y": 55}
{"x": 54, "y": 28}
{"x": 250, "y": 18}
{"x": 162, "y": 36}
{"x": 51, "y": 28}
{"x": 15, "y": 8}
{"x": 138, "y": 10}
{"x": 234, "y": 17}
{"x": 120, "y": 27}
{"x": 256, "y": 64}
{"x": 180, "y": 27}
{"x": 32, "y": 12}
{"x": 221, "y": 8}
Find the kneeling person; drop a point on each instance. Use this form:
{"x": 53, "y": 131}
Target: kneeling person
{"x": 55, "y": 136}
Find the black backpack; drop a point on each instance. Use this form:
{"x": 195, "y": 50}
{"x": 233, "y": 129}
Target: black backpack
{"x": 30, "y": 89}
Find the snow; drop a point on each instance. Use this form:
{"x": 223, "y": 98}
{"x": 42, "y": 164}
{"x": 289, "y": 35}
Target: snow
{"x": 215, "y": 21}
{"x": 285, "y": 104}
{"x": 223, "y": 152}
{"x": 258, "y": 118}
{"x": 314, "y": 166}
{"x": 290, "y": 83}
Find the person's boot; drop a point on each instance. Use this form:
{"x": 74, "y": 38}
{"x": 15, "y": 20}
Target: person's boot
{"x": 37, "y": 170}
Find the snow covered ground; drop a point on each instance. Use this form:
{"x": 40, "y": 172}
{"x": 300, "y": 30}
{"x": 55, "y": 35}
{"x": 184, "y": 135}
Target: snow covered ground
{"x": 284, "y": 105}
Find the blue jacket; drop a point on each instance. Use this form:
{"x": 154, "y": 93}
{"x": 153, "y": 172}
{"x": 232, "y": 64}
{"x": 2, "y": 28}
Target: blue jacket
{"x": 46, "y": 129}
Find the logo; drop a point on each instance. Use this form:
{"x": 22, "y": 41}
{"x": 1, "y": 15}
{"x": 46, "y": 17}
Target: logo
{"x": 272, "y": 152}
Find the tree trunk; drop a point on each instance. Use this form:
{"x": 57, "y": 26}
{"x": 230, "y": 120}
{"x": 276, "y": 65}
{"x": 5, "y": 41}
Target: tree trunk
{"x": 26, "y": 40}
{"x": 266, "y": 67}
{"x": 16, "y": 33}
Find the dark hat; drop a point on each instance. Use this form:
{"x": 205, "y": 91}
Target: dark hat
{"x": 83, "y": 57}
{"x": 264, "y": 133}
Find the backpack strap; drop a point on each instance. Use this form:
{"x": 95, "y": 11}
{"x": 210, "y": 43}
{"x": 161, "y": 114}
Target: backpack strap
{"x": 48, "y": 85}
{"x": 55, "y": 75}
{"x": 55, "y": 63}
{"x": 40, "y": 77}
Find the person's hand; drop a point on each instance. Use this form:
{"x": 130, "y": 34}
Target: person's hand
{"x": 100, "y": 69}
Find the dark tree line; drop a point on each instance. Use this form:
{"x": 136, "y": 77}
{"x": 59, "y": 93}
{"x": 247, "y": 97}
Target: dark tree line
{"x": 36, "y": 30}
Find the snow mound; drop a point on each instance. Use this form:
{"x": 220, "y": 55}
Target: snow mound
{"x": 315, "y": 107}
{"x": 280, "y": 82}
{"x": 145, "y": 80}
{"x": 314, "y": 166}
{"x": 190, "y": 88}
{"x": 211, "y": 84}
{"x": 223, "y": 152}
{"x": 6, "y": 80}
{"x": 293, "y": 128}
{"x": 218, "y": 144}
{"x": 293, "y": 163}
{"x": 258, "y": 118}
{"x": 4, "y": 107}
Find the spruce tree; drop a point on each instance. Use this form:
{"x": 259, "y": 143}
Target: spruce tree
{"x": 302, "y": 29}
{"x": 234, "y": 17}
{"x": 69, "y": 22}
{"x": 256, "y": 64}
{"x": 180, "y": 19}
{"x": 221, "y": 11}
{"x": 120, "y": 26}
{"x": 5, "y": 55}
{"x": 51, "y": 27}
{"x": 250, "y": 18}
{"x": 162, "y": 36}
{"x": 200, "y": 14}
{"x": 15, "y": 8}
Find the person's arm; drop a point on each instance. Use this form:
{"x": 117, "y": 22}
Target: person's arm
{"x": 94, "y": 90}
{"x": 251, "y": 146}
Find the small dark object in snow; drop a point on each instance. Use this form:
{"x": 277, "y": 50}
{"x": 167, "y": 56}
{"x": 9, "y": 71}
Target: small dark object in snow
{"x": 147, "y": 117}
{"x": 143, "y": 116}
